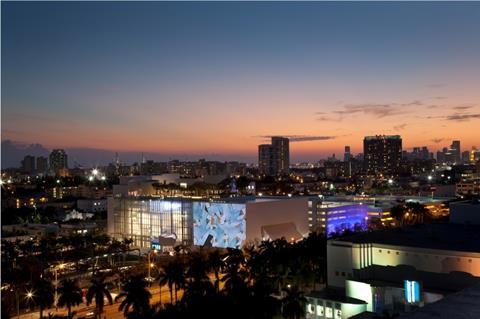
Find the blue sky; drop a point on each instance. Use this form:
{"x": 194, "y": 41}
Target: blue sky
{"x": 196, "y": 78}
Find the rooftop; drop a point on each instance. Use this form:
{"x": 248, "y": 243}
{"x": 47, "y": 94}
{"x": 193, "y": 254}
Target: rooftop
{"x": 443, "y": 236}
{"x": 463, "y": 304}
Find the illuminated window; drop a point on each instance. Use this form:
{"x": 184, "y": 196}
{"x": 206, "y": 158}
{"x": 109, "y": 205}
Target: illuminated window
{"x": 338, "y": 314}
{"x": 328, "y": 312}
{"x": 311, "y": 308}
{"x": 320, "y": 311}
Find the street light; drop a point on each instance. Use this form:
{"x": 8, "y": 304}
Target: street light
{"x": 150, "y": 264}
{"x": 429, "y": 177}
{"x": 94, "y": 172}
{"x": 55, "y": 269}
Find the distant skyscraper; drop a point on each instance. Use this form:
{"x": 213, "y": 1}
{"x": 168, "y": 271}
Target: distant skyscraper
{"x": 28, "y": 164}
{"x": 347, "y": 155}
{"x": 265, "y": 159}
{"x": 274, "y": 159}
{"x": 466, "y": 157}
{"x": 42, "y": 164}
{"x": 58, "y": 160}
{"x": 382, "y": 154}
{"x": 456, "y": 151}
{"x": 281, "y": 153}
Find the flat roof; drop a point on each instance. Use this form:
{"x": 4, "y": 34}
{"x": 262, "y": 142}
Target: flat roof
{"x": 444, "y": 236}
{"x": 463, "y": 304}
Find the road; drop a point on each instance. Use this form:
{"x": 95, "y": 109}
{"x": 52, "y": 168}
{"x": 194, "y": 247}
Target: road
{"x": 110, "y": 311}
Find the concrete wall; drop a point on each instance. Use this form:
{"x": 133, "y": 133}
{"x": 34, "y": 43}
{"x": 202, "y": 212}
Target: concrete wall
{"x": 344, "y": 257}
{"x": 271, "y": 212}
{"x": 339, "y": 263}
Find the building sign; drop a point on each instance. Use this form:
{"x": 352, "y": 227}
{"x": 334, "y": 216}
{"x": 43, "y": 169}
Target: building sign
{"x": 412, "y": 291}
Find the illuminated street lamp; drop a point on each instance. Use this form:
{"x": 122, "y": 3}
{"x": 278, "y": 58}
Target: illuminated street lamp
{"x": 150, "y": 264}
{"x": 90, "y": 178}
{"x": 94, "y": 172}
{"x": 55, "y": 269}
{"x": 103, "y": 178}
{"x": 390, "y": 181}
{"x": 429, "y": 177}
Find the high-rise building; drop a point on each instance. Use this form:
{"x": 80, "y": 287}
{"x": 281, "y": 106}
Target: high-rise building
{"x": 456, "y": 151}
{"x": 474, "y": 155}
{"x": 382, "y": 154}
{"x": 347, "y": 155}
{"x": 281, "y": 153}
{"x": 466, "y": 157}
{"x": 265, "y": 159}
{"x": 58, "y": 160}
{"x": 28, "y": 164}
{"x": 42, "y": 164}
{"x": 274, "y": 159}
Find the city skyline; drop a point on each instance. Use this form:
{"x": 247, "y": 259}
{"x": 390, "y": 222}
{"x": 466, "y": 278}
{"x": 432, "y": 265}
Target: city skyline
{"x": 221, "y": 78}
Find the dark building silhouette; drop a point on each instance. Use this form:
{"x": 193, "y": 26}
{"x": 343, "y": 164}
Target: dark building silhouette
{"x": 382, "y": 154}
{"x": 274, "y": 158}
{"x": 58, "y": 160}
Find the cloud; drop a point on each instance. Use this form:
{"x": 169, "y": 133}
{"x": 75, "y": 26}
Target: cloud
{"x": 437, "y": 140}
{"x": 400, "y": 127}
{"x": 462, "y": 117}
{"x": 462, "y": 107}
{"x": 301, "y": 138}
{"x": 439, "y": 97}
{"x": 377, "y": 110}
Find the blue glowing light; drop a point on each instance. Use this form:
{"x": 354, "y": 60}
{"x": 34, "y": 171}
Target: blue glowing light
{"x": 351, "y": 217}
{"x": 412, "y": 291}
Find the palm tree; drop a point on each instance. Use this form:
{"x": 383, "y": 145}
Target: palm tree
{"x": 44, "y": 295}
{"x": 167, "y": 277}
{"x": 216, "y": 263}
{"x": 98, "y": 290}
{"x": 235, "y": 275}
{"x": 178, "y": 274}
{"x": 70, "y": 295}
{"x": 293, "y": 304}
{"x": 410, "y": 213}
{"x": 136, "y": 296}
{"x": 198, "y": 283}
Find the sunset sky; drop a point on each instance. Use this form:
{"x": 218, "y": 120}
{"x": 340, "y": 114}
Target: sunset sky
{"x": 199, "y": 78}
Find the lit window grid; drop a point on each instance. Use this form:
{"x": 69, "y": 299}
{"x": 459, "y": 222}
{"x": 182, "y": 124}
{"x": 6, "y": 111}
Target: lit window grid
{"x": 143, "y": 220}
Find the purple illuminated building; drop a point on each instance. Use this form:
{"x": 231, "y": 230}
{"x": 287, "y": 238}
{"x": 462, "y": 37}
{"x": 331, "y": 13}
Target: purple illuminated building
{"x": 341, "y": 218}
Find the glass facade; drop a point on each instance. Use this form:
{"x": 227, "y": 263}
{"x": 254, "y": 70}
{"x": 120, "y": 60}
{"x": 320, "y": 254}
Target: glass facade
{"x": 146, "y": 220}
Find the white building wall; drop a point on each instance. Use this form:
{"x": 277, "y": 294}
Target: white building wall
{"x": 272, "y": 212}
{"x": 340, "y": 263}
{"x": 344, "y": 257}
